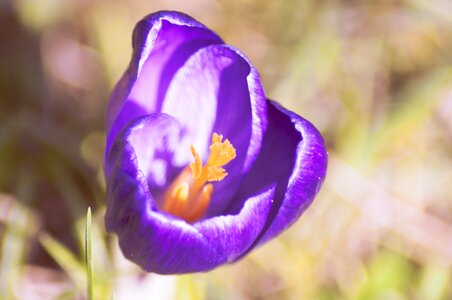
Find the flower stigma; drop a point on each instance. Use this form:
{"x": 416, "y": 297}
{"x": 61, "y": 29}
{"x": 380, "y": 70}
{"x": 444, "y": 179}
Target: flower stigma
{"x": 189, "y": 195}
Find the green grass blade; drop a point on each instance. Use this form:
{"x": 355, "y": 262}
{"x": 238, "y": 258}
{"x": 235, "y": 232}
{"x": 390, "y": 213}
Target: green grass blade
{"x": 15, "y": 220}
{"x": 88, "y": 254}
{"x": 64, "y": 257}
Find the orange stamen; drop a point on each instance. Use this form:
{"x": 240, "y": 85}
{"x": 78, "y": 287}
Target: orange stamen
{"x": 188, "y": 197}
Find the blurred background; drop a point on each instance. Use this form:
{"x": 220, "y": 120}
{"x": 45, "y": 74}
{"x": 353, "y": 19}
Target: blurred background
{"x": 374, "y": 76}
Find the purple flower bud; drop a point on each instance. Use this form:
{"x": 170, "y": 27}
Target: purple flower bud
{"x": 180, "y": 198}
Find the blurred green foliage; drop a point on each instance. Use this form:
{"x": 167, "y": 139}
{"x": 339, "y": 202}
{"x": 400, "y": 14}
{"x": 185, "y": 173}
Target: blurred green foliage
{"x": 374, "y": 76}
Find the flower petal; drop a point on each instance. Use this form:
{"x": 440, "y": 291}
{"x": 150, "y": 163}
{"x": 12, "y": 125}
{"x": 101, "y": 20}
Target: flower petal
{"x": 162, "y": 42}
{"x": 160, "y": 242}
{"x": 217, "y": 90}
{"x": 233, "y": 235}
{"x": 233, "y": 125}
{"x": 154, "y": 139}
{"x": 294, "y": 160}
{"x": 306, "y": 179}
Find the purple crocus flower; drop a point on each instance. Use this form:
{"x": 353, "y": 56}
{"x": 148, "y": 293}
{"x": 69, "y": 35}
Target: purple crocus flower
{"x": 201, "y": 168}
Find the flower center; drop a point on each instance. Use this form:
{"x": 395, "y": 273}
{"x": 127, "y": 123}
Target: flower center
{"x": 189, "y": 194}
